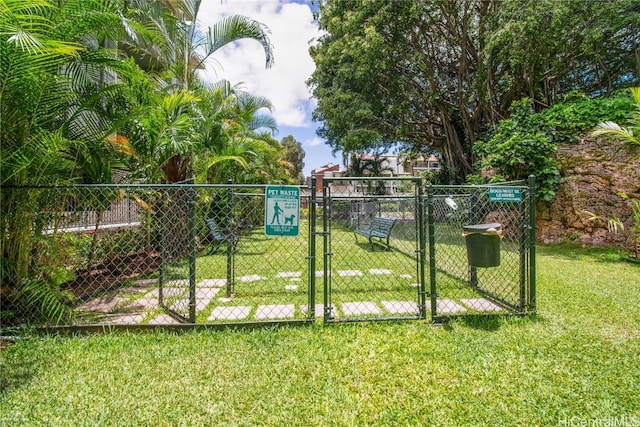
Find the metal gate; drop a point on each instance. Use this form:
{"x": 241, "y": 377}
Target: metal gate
{"x": 481, "y": 243}
{"x": 374, "y": 254}
{"x": 245, "y": 275}
{"x": 392, "y": 252}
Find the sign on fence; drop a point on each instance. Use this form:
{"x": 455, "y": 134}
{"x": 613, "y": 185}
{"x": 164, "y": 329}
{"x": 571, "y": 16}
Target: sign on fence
{"x": 282, "y": 210}
{"x": 505, "y": 194}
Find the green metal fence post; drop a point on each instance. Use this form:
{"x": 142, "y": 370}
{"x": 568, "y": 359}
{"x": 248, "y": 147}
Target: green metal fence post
{"x": 162, "y": 247}
{"x": 532, "y": 243}
{"x": 312, "y": 250}
{"x": 192, "y": 252}
{"x": 523, "y": 215}
{"x": 229, "y": 244}
{"x": 473, "y": 219}
{"x": 432, "y": 253}
{"x": 422, "y": 301}
{"x": 327, "y": 254}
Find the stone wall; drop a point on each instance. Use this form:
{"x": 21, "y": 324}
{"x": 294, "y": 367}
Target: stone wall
{"x": 593, "y": 173}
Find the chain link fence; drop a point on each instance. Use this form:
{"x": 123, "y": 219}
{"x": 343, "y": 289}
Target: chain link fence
{"x": 149, "y": 255}
{"x": 481, "y": 249}
{"x": 365, "y": 249}
{"x": 372, "y": 254}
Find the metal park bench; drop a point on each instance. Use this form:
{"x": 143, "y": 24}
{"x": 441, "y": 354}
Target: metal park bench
{"x": 380, "y": 228}
{"x": 218, "y": 236}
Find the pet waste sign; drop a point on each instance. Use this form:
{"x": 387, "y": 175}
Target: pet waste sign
{"x": 282, "y": 210}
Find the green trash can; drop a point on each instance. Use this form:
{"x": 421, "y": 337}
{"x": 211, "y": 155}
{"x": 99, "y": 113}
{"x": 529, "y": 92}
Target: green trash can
{"x": 483, "y": 244}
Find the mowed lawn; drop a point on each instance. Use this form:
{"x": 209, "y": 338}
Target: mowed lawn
{"x": 576, "y": 362}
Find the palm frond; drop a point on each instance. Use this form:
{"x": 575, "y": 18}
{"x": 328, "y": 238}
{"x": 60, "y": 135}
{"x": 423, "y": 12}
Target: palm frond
{"x": 611, "y": 128}
{"x": 263, "y": 121}
{"x": 234, "y": 28}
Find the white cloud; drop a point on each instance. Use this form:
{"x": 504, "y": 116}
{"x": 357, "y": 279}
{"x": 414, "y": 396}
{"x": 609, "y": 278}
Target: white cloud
{"x": 292, "y": 28}
{"x": 314, "y": 142}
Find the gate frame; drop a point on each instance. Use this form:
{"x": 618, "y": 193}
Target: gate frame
{"x": 527, "y": 273}
{"x": 426, "y": 240}
{"x": 420, "y": 249}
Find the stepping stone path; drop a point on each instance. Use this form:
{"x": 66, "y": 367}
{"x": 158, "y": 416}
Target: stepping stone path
{"x": 289, "y": 274}
{"x": 176, "y": 293}
{"x": 349, "y": 273}
{"x": 230, "y": 313}
{"x": 378, "y": 271}
{"x": 481, "y": 304}
{"x": 447, "y": 306}
{"x": 318, "y": 310}
{"x": 400, "y": 307}
{"x": 351, "y": 308}
{"x": 252, "y": 278}
{"x": 275, "y": 311}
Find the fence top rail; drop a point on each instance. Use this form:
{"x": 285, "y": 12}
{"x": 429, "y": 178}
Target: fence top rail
{"x": 328, "y": 179}
{"x": 148, "y": 186}
{"x": 520, "y": 184}
{"x": 373, "y": 197}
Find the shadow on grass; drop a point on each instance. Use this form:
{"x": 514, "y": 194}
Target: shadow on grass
{"x": 492, "y": 322}
{"x": 15, "y": 372}
{"x": 573, "y": 251}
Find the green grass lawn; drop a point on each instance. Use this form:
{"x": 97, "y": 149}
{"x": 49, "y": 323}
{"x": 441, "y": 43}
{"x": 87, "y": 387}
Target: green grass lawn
{"x": 576, "y": 362}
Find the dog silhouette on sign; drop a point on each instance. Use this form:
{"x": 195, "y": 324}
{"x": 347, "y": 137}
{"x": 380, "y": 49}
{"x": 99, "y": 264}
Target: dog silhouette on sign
{"x": 289, "y": 219}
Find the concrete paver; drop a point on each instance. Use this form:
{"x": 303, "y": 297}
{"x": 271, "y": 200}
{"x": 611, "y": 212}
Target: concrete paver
{"x": 230, "y": 313}
{"x": 276, "y": 311}
{"x": 399, "y": 307}
{"x": 365, "y": 307}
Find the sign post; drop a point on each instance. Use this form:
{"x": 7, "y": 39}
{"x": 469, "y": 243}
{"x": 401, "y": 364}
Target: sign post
{"x": 282, "y": 210}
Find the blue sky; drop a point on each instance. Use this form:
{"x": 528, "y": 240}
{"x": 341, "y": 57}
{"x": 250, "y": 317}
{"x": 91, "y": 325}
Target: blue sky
{"x": 292, "y": 29}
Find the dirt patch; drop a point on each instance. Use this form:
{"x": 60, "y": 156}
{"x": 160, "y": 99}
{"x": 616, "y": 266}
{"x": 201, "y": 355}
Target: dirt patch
{"x": 111, "y": 275}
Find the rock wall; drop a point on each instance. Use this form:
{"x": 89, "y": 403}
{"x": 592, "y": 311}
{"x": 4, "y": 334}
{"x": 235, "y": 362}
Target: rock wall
{"x": 593, "y": 173}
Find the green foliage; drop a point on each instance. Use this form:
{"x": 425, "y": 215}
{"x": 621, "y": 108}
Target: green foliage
{"x": 566, "y": 122}
{"x": 439, "y": 74}
{"x": 293, "y": 156}
{"x": 525, "y": 143}
{"x": 74, "y": 110}
{"x": 519, "y": 147}
{"x": 563, "y": 364}
{"x": 615, "y": 224}
{"x": 611, "y": 127}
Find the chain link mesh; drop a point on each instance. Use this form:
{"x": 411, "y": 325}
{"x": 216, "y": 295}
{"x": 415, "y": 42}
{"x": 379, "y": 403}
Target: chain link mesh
{"x": 368, "y": 278}
{"x": 485, "y": 268}
{"x": 154, "y": 255}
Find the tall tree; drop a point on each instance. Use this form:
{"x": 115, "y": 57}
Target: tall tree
{"x": 435, "y": 74}
{"x": 293, "y": 156}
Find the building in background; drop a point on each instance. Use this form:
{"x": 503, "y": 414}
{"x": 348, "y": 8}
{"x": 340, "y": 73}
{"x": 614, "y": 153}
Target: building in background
{"x": 368, "y": 165}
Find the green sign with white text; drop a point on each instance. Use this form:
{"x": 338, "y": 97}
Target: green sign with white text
{"x": 505, "y": 194}
{"x": 282, "y": 210}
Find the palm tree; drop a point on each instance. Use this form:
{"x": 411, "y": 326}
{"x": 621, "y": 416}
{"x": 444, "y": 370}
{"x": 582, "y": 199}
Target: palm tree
{"x": 362, "y": 165}
{"x": 52, "y": 62}
{"x": 170, "y": 42}
{"x": 237, "y": 141}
